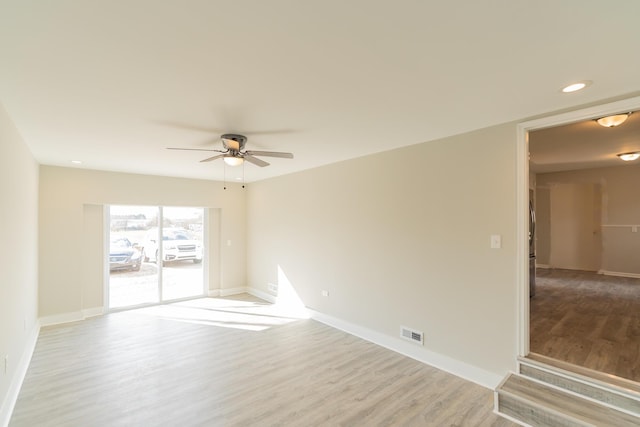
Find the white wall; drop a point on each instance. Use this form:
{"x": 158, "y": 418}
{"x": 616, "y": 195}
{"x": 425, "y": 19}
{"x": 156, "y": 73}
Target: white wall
{"x": 71, "y": 204}
{"x": 402, "y": 238}
{"x": 18, "y": 257}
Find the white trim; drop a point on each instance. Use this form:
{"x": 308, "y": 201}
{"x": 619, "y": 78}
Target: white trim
{"x": 545, "y": 266}
{"x": 106, "y": 273}
{"x": 619, "y": 274}
{"x": 233, "y": 291}
{"x": 626, "y": 105}
{"x": 206, "y": 249}
{"x": 18, "y": 378}
{"x": 212, "y": 293}
{"x": 57, "y": 319}
{"x": 456, "y": 367}
{"x": 74, "y": 316}
{"x": 262, "y": 295}
{"x": 92, "y": 312}
{"x": 522, "y": 194}
{"x": 522, "y": 238}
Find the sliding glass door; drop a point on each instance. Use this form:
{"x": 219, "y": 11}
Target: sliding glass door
{"x": 182, "y": 236}
{"x": 155, "y": 254}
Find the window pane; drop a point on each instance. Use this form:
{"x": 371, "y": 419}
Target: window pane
{"x": 131, "y": 280}
{"x": 183, "y": 252}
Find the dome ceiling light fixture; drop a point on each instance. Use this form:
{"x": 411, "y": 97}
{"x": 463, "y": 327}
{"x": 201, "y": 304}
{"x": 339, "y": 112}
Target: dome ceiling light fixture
{"x": 232, "y": 160}
{"x": 628, "y": 157}
{"x": 613, "y": 121}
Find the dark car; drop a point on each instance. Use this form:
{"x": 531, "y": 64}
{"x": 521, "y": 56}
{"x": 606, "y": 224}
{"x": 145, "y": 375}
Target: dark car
{"x": 123, "y": 255}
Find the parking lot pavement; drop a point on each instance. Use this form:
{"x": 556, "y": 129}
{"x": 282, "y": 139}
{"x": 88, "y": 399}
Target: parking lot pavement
{"x": 180, "y": 280}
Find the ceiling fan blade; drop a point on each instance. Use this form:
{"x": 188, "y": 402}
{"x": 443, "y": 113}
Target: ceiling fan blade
{"x": 249, "y": 158}
{"x": 212, "y": 158}
{"x": 270, "y": 154}
{"x": 195, "y": 149}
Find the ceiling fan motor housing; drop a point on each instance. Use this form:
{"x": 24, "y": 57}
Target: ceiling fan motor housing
{"x": 233, "y": 142}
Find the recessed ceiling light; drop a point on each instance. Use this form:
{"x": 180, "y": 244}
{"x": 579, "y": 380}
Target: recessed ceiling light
{"x": 627, "y": 157}
{"x": 76, "y": 162}
{"x": 576, "y": 86}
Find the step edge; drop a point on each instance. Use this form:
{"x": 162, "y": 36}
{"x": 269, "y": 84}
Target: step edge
{"x": 584, "y": 396}
{"x": 540, "y": 407}
{"x": 510, "y": 418}
{"x": 584, "y": 379}
{"x": 576, "y": 396}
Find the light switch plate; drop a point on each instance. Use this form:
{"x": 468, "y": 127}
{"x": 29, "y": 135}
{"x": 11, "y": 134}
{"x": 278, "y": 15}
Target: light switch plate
{"x": 496, "y": 241}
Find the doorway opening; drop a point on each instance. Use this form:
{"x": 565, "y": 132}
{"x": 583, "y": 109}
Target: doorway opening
{"x": 155, "y": 255}
{"x": 588, "y": 288}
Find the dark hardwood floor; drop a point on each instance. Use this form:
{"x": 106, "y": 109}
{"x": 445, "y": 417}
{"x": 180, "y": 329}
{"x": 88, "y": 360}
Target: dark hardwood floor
{"x": 588, "y": 319}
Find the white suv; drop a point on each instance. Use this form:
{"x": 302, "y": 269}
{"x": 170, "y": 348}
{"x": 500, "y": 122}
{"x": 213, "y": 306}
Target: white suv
{"x": 177, "y": 244}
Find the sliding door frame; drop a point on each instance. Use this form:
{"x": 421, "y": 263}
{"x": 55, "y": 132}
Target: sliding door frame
{"x": 159, "y": 259}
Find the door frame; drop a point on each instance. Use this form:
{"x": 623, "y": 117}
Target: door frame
{"x": 522, "y": 196}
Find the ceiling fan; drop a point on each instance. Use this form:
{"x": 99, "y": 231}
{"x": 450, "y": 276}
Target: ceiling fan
{"x": 234, "y": 153}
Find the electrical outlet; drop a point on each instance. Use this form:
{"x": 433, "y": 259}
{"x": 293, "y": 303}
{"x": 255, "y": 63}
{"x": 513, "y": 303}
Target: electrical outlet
{"x": 325, "y": 293}
{"x": 273, "y": 288}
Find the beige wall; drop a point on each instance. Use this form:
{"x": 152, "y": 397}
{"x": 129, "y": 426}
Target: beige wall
{"x": 71, "y": 208}
{"x": 620, "y": 211}
{"x": 402, "y": 238}
{"x": 18, "y": 252}
{"x": 576, "y": 241}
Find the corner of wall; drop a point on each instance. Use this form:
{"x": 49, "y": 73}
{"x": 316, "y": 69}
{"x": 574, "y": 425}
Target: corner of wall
{"x": 16, "y": 382}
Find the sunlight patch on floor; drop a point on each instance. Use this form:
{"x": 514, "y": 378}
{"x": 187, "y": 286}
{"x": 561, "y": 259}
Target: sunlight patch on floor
{"x": 250, "y": 314}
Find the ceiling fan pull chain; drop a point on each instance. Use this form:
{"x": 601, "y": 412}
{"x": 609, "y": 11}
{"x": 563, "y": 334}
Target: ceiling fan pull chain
{"x": 242, "y": 174}
{"x": 224, "y": 168}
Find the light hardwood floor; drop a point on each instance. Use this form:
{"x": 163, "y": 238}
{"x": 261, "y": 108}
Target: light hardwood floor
{"x": 233, "y": 362}
{"x": 589, "y": 320}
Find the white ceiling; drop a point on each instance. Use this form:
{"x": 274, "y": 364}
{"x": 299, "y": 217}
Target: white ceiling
{"x": 113, "y": 83}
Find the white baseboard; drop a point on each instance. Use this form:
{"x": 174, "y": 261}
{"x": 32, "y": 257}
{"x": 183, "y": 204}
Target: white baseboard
{"x": 213, "y": 293}
{"x": 92, "y": 312}
{"x": 233, "y": 291}
{"x": 619, "y": 274}
{"x": 468, "y": 372}
{"x": 262, "y": 295}
{"x": 21, "y": 371}
{"x": 547, "y": 266}
{"x": 57, "y": 319}
{"x": 73, "y": 316}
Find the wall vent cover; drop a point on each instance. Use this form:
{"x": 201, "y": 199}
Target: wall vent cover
{"x": 412, "y": 335}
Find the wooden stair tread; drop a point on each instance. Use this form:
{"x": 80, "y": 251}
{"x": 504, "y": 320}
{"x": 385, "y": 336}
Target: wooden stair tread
{"x": 622, "y": 383}
{"x": 546, "y": 397}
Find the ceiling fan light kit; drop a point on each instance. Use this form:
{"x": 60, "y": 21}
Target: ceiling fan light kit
{"x": 233, "y": 161}
{"x": 613, "y": 121}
